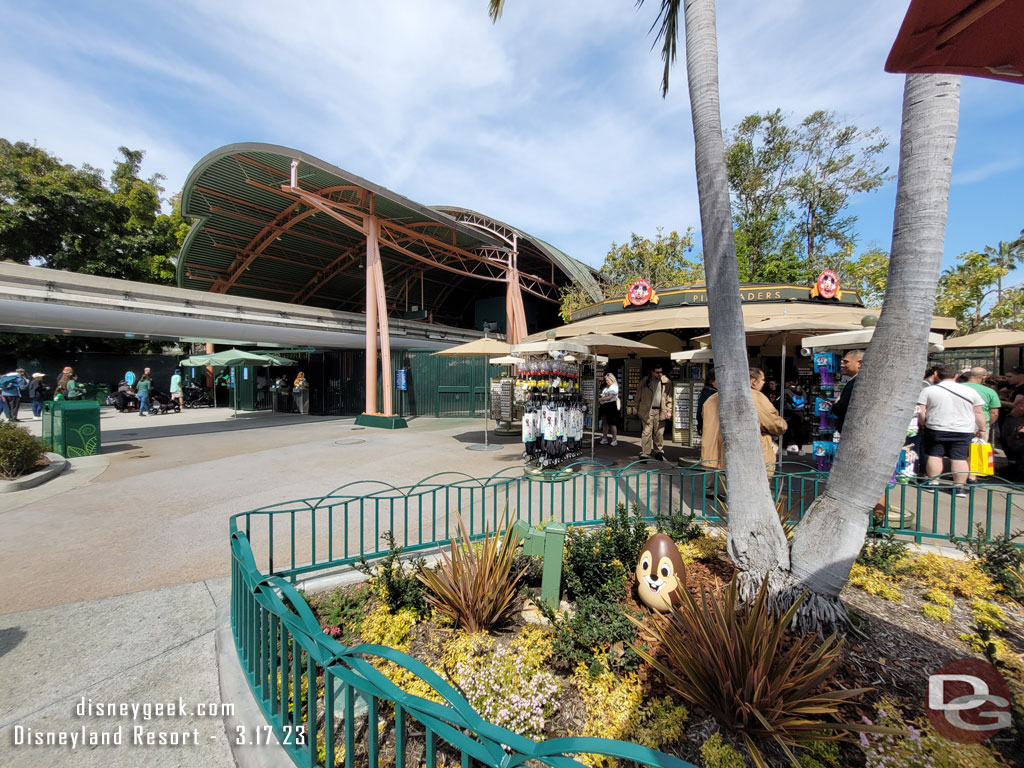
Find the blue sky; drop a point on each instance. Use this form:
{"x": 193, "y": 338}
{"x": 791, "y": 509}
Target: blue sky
{"x": 551, "y": 120}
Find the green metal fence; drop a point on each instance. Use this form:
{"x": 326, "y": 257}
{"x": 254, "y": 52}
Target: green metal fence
{"x": 285, "y": 654}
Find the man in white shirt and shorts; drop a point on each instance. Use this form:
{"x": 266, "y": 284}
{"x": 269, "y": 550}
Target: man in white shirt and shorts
{"x": 952, "y": 415}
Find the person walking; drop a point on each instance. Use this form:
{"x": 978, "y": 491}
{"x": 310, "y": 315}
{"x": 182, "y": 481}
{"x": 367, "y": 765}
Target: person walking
{"x": 951, "y": 414}
{"x": 38, "y": 392}
{"x": 608, "y": 409}
{"x": 850, "y": 367}
{"x": 75, "y": 391}
{"x": 10, "y": 390}
{"x": 710, "y": 388}
{"x": 62, "y": 383}
{"x": 654, "y": 408}
{"x": 143, "y": 389}
{"x": 990, "y": 398}
{"x": 712, "y": 449}
{"x": 176, "y": 388}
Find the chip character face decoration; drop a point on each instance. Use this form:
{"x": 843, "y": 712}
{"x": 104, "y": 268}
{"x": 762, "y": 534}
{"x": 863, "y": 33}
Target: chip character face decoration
{"x": 659, "y": 572}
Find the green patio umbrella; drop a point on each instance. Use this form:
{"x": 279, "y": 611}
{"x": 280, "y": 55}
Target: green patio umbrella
{"x": 232, "y": 358}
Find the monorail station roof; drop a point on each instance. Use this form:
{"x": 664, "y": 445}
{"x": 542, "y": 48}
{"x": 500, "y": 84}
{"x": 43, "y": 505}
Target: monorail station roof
{"x": 299, "y": 236}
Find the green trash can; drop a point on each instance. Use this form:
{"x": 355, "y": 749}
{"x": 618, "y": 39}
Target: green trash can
{"x": 72, "y": 427}
{"x": 102, "y": 391}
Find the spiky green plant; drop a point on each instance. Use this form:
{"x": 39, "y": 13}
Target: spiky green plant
{"x": 737, "y": 663}
{"x": 476, "y": 586}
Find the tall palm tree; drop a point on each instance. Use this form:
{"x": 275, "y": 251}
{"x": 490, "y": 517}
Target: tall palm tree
{"x": 1005, "y": 255}
{"x": 827, "y": 541}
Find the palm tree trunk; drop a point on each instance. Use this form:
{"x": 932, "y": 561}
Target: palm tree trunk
{"x": 827, "y": 541}
{"x": 757, "y": 544}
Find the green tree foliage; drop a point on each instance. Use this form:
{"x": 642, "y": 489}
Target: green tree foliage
{"x": 868, "y": 274}
{"x": 56, "y": 215}
{"x": 968, "y": 291}
{"x": 662, "y": 261}
{"x": 836, "y": 161}
{"x": 791, "y": 186}
{"x": 759, "y": 159}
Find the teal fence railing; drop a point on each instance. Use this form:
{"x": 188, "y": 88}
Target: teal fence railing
{"x": 297, "y": 673}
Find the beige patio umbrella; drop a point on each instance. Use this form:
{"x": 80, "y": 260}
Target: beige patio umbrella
{"x": 486, "y": 348}
{"x": 996, "y": 337}
{"x": 763, "y": 331}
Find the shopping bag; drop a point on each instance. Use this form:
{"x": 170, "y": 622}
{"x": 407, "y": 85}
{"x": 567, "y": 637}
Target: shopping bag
{"x": 981, "y": 458}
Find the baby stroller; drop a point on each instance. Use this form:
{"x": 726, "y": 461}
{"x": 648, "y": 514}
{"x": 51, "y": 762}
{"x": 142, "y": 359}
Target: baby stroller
{"x": 196, "y": 397}
{"x": 160, "y": 402}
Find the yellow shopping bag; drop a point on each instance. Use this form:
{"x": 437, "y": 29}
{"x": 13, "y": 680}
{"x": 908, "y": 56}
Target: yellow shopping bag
{"x": 981, "y": 459}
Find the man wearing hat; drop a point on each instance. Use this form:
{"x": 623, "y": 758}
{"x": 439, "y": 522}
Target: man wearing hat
{"x": 38, "y": 392}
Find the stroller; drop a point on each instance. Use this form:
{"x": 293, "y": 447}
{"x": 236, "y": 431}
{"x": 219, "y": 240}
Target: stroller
{"x": 161, "y": 402}
{"x": 195, "y": 396}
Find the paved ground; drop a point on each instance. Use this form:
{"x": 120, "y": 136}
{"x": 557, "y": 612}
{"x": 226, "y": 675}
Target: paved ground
{"x": 112, "y": 573}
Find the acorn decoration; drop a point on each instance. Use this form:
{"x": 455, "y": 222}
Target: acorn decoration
{"x": 660, "y": 572}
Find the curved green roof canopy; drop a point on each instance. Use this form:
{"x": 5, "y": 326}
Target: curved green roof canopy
{"x": 255, "y": 238}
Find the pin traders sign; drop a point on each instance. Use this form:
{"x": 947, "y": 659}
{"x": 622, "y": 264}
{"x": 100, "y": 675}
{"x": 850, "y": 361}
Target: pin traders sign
{"x": 640, "y": 292}
{"x": 827, "y": 286}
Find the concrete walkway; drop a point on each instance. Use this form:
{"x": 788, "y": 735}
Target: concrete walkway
{"x": 112, "y": 572}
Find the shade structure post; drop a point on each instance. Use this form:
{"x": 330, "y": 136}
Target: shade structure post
{"x": 782, "y": 400}
{"x": 593, "y": 415}
{"x": 486, "y": 445}
{"x": 371, "y": 323}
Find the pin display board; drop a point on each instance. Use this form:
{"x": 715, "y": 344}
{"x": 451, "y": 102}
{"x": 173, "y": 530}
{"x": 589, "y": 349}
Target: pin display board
{"x": 502, "y": 392}
{"x": 684, "y": 413}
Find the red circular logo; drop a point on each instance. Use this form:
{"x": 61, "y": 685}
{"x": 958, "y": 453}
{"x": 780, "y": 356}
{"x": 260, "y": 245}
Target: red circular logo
{"x": 827, "y": 284}
{"x": 639, "y": 293}
{"x": 968, "y": 701}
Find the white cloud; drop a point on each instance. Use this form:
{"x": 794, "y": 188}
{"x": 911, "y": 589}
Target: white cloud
{"x": 551, "y": 120}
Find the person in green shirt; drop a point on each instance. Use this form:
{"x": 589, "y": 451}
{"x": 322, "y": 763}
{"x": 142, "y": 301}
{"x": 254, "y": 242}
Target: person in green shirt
{"x": 989, "y": 397}
{"x": 142, "y": 390}
{"x": 74, "y": 389}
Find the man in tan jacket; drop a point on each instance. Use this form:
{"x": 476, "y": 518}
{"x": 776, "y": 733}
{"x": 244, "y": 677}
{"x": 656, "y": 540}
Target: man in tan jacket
{"x": 712, "y": 452}
{"x": 653, "y": 409}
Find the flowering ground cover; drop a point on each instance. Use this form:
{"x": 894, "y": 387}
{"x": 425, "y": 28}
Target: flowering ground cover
{"x": 603, "y": 664}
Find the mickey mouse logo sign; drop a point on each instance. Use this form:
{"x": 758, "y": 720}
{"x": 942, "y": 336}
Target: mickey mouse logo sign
{"x": 827, "y": 286}
{"x": 639, "y": 293}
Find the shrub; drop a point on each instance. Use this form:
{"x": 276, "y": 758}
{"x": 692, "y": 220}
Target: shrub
{"x": 740, "y": 665}
{"x": 475, "y": 586}
{"x": 953, "y": 576}
{"x": 623, "y": 708}
{"x": 935, "y": 612}
{"x": 717, "y": 754}
{"x": 820, "y": 754}
{"x": 19, "y": 451}
{"x": 874, "y": 582}
{"x": 507, "y": 684}
{"x": 938, "y": 597}
{"x": 1000, "y": 558}
{"x": 680, "y": 528}
{"x": 394, "y": 630}
{"x": 988, "y": 615}
{"x": 598, "y": 562}
{"x": 393, "y": 582}
{"x": 708, "y": 546}
{"x": 921, "y": 747}
{"x": 884, "y": 553}
{"x": 598, "y": 626}
{"x": 341, "y": 611}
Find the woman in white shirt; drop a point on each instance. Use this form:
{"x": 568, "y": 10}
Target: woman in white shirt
{"x": 608, "y": 408}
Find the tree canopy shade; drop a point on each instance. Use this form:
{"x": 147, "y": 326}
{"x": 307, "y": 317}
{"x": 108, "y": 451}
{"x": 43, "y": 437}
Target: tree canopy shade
{"x": 56, "y": 215}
